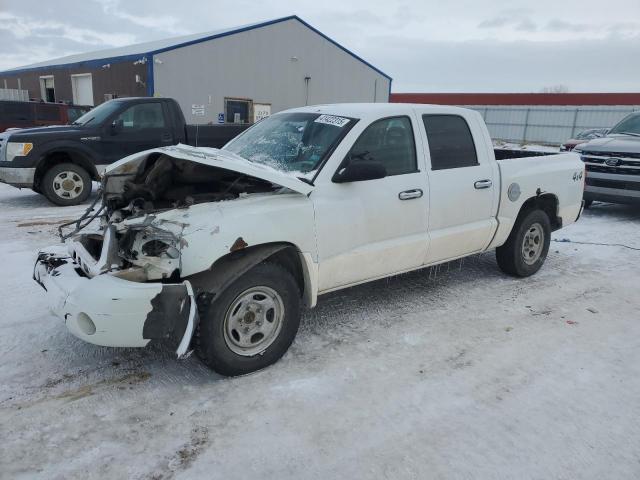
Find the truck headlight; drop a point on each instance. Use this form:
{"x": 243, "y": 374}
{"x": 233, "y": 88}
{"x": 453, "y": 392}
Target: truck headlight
{"x": 15, "y": 149}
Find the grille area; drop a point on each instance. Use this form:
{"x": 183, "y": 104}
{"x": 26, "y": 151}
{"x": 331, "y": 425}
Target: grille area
{"x": 598, "y": 182}
{"x": 625, "y": 163}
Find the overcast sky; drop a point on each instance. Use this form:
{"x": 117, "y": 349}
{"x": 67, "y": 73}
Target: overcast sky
{"x": 426, "y": 46}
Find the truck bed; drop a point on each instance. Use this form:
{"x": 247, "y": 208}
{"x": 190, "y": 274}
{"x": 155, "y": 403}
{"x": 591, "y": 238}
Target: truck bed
{"x": 506, "y": 153}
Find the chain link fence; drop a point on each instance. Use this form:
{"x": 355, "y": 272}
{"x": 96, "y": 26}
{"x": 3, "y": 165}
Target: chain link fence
{"x": 548, "y": 125}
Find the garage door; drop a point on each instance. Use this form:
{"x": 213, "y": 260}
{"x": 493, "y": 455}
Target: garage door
{"x": 82, "y": 89}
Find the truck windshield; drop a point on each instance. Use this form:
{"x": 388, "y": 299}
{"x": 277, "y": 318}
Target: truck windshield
{"x": 628, "y": 126}
{"x": 291, "y": 141}
{"x": 99, "y": 114}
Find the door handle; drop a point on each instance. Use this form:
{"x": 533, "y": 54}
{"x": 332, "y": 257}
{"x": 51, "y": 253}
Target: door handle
{"x": 480, "y": 184}
{"x": 166, "y": 137}
{"x": 409, "y": 194}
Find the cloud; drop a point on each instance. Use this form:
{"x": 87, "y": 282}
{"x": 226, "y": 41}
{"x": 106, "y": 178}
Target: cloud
{"x": 166, "y": 23}
{"x": 517, "y": 22}
{"x": 495, "y": 22}
{"x": 25, "y": 27}
{"x": 424, "y": 46}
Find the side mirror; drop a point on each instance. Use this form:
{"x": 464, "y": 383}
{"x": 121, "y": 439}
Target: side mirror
{"x": 360, "y": 170}
{"x": 117, "y": 126}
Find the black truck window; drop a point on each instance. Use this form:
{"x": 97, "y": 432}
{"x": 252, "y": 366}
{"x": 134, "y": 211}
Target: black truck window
{"x": 142, "y": 116}
{"x": 450, "y": 142}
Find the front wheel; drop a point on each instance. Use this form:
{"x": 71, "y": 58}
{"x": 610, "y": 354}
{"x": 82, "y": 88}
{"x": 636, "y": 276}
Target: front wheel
{"x": 252, "y": 323}
{"x": 526, "y": 249}
{"x": 66, "y": 184}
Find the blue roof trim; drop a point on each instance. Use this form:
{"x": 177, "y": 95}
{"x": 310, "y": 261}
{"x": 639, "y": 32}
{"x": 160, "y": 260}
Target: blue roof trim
{"x": 88, "y": 64}
{"x": 150, "y": 85}
{"x": 341, "y": 47}
{"x": 149, "y": 55}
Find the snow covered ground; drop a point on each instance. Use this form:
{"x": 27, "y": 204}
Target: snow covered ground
{"x": 461, "y": 373}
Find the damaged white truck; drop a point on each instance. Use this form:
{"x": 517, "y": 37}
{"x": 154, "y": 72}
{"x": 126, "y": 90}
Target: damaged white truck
{"x": 219, "y": 250}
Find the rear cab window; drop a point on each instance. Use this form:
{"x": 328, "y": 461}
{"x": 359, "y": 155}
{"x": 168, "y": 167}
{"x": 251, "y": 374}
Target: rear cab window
{"x": 450, "y": 141}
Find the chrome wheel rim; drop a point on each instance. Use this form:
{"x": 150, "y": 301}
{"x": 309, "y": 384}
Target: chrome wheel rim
{"x": 68, "y": 184}
{"x": 532, "y": 244}
{"x": 253, "y": 321}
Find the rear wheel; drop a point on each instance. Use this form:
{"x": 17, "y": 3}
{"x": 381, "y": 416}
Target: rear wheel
{"x": 526, "y": 249}
{"x": 66, "y": 184}
{"x": 252, "y": 323}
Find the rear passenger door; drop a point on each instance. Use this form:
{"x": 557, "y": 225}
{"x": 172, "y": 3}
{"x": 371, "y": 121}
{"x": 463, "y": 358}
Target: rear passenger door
{"x": 463, "y": 184}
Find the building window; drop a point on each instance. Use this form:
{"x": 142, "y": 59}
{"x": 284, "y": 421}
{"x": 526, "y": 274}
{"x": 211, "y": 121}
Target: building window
{"x": 238, "y": 110}
{"x": 47, "y": 89}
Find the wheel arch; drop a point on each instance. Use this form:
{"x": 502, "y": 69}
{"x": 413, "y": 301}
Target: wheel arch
{"x": 231, "y": 266}
{"x": 60, "y": 155}
{"x": 548, "y": 203}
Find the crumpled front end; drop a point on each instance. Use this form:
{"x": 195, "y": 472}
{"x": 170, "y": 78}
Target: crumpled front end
{"x": 125, "y": 282}
{"x": 111, "y": 311}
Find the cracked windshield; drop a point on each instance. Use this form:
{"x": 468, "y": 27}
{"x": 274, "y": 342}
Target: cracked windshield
{"x": 293, "y": 142}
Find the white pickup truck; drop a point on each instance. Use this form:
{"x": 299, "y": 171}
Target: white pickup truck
{"x": 221, "y": 249}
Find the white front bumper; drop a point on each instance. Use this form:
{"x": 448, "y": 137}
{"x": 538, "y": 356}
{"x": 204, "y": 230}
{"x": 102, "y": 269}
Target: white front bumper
{"x": 106, "y": 310}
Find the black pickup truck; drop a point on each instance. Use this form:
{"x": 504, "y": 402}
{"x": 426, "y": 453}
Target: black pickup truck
{"x": 61, "y": 161}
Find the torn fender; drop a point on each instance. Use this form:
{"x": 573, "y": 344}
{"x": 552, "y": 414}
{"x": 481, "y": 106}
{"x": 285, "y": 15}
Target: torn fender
{"x": 110, "y": 311}
{"x": 173, "y": 317}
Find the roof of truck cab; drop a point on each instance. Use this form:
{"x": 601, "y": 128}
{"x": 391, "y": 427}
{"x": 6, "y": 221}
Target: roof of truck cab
{"x": 360, "y": 110}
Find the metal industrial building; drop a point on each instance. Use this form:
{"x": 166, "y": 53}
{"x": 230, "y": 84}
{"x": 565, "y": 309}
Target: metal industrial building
{"x": 548, "y": 118}
{"x": 231, "y": 75}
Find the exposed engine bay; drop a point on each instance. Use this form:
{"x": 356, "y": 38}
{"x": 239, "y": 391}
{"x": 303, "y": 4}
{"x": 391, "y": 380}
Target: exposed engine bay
{"x": 133, "y": 241}
{"x": 165, "y": 182}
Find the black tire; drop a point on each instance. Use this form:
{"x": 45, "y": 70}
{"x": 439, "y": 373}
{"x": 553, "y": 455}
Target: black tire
{"x": 214, "y": 349}
{"x": 588, "y": 203}
{"x": 511, "y": 255}
{"x": 55, "y": 192}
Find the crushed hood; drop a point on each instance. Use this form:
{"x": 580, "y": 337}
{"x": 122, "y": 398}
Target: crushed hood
{"x": 216, "y": 158}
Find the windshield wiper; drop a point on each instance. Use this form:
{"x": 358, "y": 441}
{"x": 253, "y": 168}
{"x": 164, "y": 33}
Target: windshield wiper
{"x": 633, "y": 134}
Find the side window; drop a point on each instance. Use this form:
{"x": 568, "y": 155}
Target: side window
{"x": 47, "y": 113}
{"x": 142, "y": 116}
{"x": 389, "y": 141}
{"x": 16, "y": 111}
{"x": 450, "y": 142}
{"x": 73, "y": 113}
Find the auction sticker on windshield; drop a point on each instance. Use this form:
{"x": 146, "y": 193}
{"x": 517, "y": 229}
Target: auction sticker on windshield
{"x": 332, "y": 120}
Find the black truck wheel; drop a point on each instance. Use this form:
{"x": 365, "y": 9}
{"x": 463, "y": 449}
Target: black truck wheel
{"x": 66, "y": 184}
{"x": 252, "y": 323}
{"x": 526, "y": 249}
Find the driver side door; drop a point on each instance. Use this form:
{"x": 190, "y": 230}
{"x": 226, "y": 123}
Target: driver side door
{"x": 140, "y": 127}
{"x": 374, "y": 228}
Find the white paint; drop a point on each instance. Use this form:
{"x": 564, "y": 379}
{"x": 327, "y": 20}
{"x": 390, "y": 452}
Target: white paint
{"x": 197, "y": 110}
{"x": 261, "y": 111}
{"x": 347, "y": 233}
{"x": 82, "y": 89}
